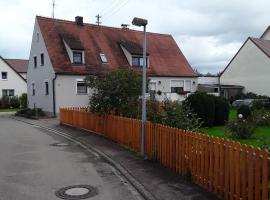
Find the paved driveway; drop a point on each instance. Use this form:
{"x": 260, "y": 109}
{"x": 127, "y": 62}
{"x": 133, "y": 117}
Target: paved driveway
{"x": 35, "y": 163}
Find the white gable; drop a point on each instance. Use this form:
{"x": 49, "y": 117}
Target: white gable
{"x": 13, "y": 80}
{"x": 266, "y": 34}
{"x": 249, "y": 68}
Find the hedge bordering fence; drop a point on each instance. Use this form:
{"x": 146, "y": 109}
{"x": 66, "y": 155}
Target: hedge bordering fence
{"x": 226, "y": 168}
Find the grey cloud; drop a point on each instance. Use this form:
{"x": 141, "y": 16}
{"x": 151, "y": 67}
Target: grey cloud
{"x": 208, "y": 32}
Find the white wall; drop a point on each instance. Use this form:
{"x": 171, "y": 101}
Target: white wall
{"x": 14, "y": 81}
{"x": 251, "y": 69}
{"x": 266, "y": 36}
{"x": 207, "y": 80}
{"x": 39, "y": 75}
{"x": 164, "y": 85}
{"x": 65, "y": 90}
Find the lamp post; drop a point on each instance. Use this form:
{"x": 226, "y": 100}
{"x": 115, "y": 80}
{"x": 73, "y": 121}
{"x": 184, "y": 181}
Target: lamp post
{"x": 142, "y": 22}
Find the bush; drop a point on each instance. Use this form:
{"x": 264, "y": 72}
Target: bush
{"x": 23, "y": 100}
{"x": 261, "y": 117}
{"x": 222, "y": 110}
{"x": 5, "y": 102}
{"x": 14, "y": 102}
{"x": 244, "y": 111}
{"x": 203, "y": 105}
{"x": 117, "y": 92}
{"x": 28, "y": 112}
{"x": 240, "y": 129}
{"x": 173, "y": 114}
{"x": 257, "y": 105}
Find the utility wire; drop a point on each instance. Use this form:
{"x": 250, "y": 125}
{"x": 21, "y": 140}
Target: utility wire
{"x": 106, "y": 10}
{"x": 115, "y": 11}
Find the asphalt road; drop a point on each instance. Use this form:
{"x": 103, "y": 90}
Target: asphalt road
{"x": 33, "y": 166}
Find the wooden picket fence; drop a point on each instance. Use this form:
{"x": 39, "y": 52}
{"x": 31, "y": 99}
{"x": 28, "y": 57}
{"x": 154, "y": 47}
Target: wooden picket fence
{"x": 226, "y": 168}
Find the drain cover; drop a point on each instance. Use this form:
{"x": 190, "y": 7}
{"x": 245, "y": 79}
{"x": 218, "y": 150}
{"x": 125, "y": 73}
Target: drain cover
{"x": 76, "y": 192}
{"x": 60, "y": 144}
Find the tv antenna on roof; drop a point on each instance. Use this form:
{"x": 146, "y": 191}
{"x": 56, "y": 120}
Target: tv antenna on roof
{"x": 98, "y": 19}
{"x": 53, "y": 7}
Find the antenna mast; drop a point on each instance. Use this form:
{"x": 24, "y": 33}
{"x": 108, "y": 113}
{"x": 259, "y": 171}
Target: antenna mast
{"x": 98, "y": 19}
{"x": 53, "y": 7}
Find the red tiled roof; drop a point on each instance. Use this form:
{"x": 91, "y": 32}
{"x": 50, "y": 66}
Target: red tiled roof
{"x": 165, "y": 58}
{"x": 19, "y": 65}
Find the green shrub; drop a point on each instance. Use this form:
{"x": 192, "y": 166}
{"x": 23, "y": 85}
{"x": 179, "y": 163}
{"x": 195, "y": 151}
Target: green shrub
{"x": 261, "y": 117}
{"x": 14, "y": 102}
{"x": 5, "y": 102}
{"x": 203, "y": 105}
{"x": 23, "y": 100}
{"x": 257, "y": 105}
{"x": 31, "y": 112}
{"x": 244, "y": 111}
{"x": 240, "y": 128}
{"x": 173, "y": 114}
{"x": 222, "y": 110}
{"x": 180, "y": 116}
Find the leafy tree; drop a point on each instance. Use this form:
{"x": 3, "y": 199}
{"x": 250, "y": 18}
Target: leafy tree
{"x": 117, "y": 92}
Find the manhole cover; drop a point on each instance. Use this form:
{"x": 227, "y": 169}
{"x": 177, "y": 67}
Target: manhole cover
{"x": 76, "y": 192}
{"x": 60, "y": 144}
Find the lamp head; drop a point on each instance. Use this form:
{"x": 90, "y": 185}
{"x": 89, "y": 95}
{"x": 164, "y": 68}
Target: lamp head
{"x": 139, "y": 21}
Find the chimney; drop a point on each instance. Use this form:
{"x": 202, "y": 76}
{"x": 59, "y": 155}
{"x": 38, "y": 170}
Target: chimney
{"x": 79, "y": 20}
{"x": 125, "y": 26}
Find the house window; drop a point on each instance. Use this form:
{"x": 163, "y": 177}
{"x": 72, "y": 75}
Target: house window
{"x": 177, "y": 86}
{"x": 153, "y": 86}
{"x": 188, "y": 85}
{"x": 216, "y": 90}
{"x": 138, "y": 61}
{"x": 77, "y": 57}
{"x": 33, "y": 89}
{"x": 46, "y": 88}
{"x": 103, "y": 58}
{"x": 81, "y": 87}
{"x": 8, "y": 93}
{"x": 35, "y": 61}
{"x": 41, "y": 59}
{"x": 4, "y": 75}
{"x": 37, "y": 37}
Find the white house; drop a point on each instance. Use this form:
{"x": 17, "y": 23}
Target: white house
{"x": 13, "y": 77}
{"x": 64, "y": 52}
{"x": 249, "y": 68}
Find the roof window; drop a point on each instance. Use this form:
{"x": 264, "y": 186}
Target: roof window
{"x": 103, "y": 58}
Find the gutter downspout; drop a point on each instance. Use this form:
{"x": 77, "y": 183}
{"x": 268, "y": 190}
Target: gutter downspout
{"x": 54, "y": 107}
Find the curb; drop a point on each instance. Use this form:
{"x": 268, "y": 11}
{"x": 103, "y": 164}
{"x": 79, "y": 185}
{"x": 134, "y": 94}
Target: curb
{"x": 137, "y": 185}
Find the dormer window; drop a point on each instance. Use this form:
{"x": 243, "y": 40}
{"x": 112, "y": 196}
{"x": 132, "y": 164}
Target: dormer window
{"x": 74, "y": 48}
{"x": 77, "y": 57}
{"x": 137, "y": 61}
{"x": 134, "y": 53}
{"x": 103, "y": 58}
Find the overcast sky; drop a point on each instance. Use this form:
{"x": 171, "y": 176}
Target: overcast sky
{"x": 208, "y": 32}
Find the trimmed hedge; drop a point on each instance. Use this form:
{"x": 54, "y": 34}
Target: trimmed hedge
{"x": 212, "y": 110}
{"x": 204, "y": 106}
{"x": 222, "y": 109}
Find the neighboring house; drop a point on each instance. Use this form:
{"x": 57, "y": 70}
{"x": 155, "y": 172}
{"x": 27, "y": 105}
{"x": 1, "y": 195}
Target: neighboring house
{"x": 12, "y": 77}
{"x": 209, "y": 84}
{"x": 64, "y": 52}
{"x": 249, "y": 69}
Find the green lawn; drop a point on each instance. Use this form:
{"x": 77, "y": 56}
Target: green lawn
{"x": 260, "y": 132}
{"x": 8, "y": 110}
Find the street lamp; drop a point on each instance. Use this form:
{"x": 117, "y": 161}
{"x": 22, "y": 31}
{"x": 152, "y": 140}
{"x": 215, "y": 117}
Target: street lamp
{"x": 142, "y": 22}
